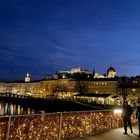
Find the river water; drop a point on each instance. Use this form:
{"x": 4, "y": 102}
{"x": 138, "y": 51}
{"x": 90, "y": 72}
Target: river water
{"x": 13, "y": 109}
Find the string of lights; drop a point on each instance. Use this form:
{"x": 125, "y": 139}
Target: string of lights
{"x": 49, "y": 126}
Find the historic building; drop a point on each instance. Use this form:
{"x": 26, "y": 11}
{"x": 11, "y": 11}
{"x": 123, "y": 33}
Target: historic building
{"x": 105, "y": 89}
{"x": 27, "y": 78}
{"x": 111, "y": 73}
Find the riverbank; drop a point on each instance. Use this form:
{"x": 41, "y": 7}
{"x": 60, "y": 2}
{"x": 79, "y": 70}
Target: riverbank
{"x": 50, "y": 104}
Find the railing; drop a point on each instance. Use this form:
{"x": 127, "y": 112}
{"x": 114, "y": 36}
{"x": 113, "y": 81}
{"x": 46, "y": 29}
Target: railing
{"x": 14, "y": 95}
{"x": 58, "y": 126}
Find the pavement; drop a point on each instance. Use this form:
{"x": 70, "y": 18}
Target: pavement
{"x": 116, "y": 134}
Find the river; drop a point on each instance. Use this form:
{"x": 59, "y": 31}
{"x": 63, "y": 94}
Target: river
{"x": 14, "y": 109}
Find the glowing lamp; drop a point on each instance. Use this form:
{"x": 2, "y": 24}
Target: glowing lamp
{"x": 117, "y": 111}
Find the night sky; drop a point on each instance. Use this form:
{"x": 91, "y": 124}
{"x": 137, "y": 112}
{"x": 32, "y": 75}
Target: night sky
{"x": 44, "y": 36}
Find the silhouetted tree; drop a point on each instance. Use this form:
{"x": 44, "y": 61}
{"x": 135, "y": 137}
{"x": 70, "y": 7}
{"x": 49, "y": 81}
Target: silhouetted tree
{"x": 58, "y": 88}
{"x": 81, "y": 86}
{"x": 82, "y": 76}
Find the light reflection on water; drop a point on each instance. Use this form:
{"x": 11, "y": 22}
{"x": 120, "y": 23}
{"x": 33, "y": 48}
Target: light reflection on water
{"x": 13, "y": 109}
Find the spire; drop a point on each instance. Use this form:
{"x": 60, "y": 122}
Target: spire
{"x": 93, "y": 72}
{"x": 27, "y": 77}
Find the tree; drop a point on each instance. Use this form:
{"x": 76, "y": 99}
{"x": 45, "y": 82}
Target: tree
{"x": 58, "y": 88}
{"x": 81, "y": 86}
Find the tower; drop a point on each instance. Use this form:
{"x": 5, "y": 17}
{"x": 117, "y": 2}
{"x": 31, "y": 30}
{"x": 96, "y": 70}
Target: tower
{"x": 111, "y": 72}
{"x": 27, "y": 77}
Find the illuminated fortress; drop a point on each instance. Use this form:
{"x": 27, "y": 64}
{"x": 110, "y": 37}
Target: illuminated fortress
{"x": 76, "y": 83}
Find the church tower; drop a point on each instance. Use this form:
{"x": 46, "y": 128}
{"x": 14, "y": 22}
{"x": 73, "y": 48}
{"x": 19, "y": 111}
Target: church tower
{"x": 111, "y": 72}
{"x": 27, "y": 78}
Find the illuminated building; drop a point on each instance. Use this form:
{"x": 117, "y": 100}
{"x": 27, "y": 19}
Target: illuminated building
{"x": 111, "y": 72}
{"x": 27, "y": 78}
{"x": 65, "y": 87}
{"x": 73, "y": 70}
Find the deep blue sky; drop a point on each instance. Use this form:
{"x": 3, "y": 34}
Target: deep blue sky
{"x": 44, "y": 36}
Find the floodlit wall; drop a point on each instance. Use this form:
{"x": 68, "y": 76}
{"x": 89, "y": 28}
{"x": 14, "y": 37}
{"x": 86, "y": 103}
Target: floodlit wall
{"x": 43, "y": 88}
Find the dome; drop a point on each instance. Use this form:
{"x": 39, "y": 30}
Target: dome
{"x": 111, "y": 69}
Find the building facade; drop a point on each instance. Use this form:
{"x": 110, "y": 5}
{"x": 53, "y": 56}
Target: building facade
{"x": 68, "y": 87}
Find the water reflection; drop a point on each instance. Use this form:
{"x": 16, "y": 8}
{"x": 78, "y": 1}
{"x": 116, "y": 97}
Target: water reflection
{"x": 13, "y": 109}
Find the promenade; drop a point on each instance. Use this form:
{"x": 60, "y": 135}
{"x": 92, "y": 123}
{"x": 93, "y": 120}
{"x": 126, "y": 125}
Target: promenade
{"x": 116, "y": 134}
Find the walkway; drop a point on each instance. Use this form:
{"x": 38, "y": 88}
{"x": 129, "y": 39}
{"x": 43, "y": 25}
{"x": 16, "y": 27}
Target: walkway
{"x": 116, "y": 134}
